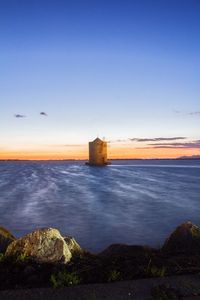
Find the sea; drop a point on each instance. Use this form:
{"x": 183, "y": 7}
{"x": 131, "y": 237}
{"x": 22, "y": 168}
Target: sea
{"x": 130, "y": 201}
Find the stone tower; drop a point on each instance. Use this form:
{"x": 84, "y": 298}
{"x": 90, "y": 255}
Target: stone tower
{"x": 98, "y": 153}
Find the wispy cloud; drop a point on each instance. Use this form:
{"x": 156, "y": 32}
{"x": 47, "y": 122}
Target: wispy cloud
{"x": 42, "y": 113}
{"x": 194, "y": 145}
{"x": 67, "y": 145}
{"x": 19, "y": 116}
{"x": 194, "y": 113}
{"x": 191, "y": 113}
{"x": 144, "y": 140}
{"x": 118, "y": 141}
{"x": 158, "y": 139}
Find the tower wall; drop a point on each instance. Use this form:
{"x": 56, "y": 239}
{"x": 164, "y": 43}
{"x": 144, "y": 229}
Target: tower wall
{"x": 97, "y": 152}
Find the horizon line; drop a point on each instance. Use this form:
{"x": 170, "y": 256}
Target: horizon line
{"x": 155, "y": 158}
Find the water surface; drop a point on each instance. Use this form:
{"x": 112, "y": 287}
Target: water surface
{"x": 134, "y": 202}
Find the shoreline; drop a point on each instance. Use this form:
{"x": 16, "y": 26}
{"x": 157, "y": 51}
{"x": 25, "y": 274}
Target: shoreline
{"x": 185, "y": 287}
{"x": 45, "y": 259}
{"x": 113, "y": 159}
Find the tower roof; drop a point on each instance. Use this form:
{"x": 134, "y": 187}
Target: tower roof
{"x": 97, "y": 140}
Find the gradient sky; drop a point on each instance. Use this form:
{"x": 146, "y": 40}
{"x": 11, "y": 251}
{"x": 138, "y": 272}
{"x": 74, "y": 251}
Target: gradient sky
{"x": 126, "y": 70}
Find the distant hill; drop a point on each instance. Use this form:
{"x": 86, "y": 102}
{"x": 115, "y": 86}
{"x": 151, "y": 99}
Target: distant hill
{"x": 189, "y": 157}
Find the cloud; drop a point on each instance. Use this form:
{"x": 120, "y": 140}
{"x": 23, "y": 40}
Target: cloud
{"x": 67, "y": 145}
{"x": 143, "y": 140}
{"x": 194, "y": 113}
{"x": 193, "y": 145}
{"x": 159, "y": 139}
{"x": 19, "y": 116}
{"x": 42, "y": 113}
{"x": 118, "y": 141}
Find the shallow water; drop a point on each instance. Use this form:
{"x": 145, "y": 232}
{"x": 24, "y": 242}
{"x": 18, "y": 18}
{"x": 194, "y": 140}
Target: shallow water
{"x": 134, "y": 202}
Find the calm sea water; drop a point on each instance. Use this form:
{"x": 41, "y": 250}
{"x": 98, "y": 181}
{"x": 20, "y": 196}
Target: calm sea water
{"x": 134, "y": 202}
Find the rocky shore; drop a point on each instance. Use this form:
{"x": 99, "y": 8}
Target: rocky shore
{"x": 45, "y": 258}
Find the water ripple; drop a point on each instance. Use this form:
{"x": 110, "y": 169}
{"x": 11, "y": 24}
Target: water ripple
{"x": 135, "y": 202}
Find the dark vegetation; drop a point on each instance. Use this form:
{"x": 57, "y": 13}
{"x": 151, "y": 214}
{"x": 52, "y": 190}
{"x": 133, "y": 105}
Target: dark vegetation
{"x": 116, "y": 263}
{"x": 141, "y": 262}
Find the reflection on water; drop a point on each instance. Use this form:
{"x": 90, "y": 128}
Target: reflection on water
{"x": 135, "y": 202}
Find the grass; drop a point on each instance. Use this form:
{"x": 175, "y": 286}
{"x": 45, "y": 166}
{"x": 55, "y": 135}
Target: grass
{"x": 114, "y": 276}
{"x": 2, "y": 257}
{"x": 62, "y": 279}
{"x": 155, "y": 271}
{"x": 21, "y": 258}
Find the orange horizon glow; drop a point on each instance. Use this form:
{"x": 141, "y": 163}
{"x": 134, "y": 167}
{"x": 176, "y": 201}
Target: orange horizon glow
{"x": 81, "y": 153}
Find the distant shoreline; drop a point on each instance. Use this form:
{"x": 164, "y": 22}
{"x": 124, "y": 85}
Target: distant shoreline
{"x": 113, "y": 159}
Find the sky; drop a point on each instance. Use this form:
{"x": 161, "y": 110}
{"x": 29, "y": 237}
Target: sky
{"x": 124, "y": 70}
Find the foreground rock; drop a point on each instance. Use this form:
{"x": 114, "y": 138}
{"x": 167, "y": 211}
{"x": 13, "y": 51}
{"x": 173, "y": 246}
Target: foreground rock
{"x": 73, "y": 246}
{"x": 126, "y": 251}
{"x": 185, "y": 238}
{"x": 5, "y": 239}
{"x": 179, "y": 255}
{"x": 43, "y": 245}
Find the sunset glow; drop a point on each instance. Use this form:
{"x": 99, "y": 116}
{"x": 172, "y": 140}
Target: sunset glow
{"x": 73, "y": 71}
{"x": 81, "y": 153}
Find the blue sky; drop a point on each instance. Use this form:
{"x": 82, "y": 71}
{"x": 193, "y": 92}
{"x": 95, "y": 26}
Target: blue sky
{"x": 119, "y": 69}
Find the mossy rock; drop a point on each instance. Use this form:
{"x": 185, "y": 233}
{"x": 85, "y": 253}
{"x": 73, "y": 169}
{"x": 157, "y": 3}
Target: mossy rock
{"x": 129, "y": 251}
{"x": 6, "y": 238}
{"x": 185, "y": 239}
{"x": 73, "y": 246}
{"x": 45, "y": 245}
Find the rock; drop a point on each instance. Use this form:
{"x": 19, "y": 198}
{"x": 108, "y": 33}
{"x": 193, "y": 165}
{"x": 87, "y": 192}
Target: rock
{"x": 73, "y": 245}
{"x": 185, "y": 238}
{"x": 5, "y": 239}
{"x": 126, "y": 251}
{"x": 42, "y": 245}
